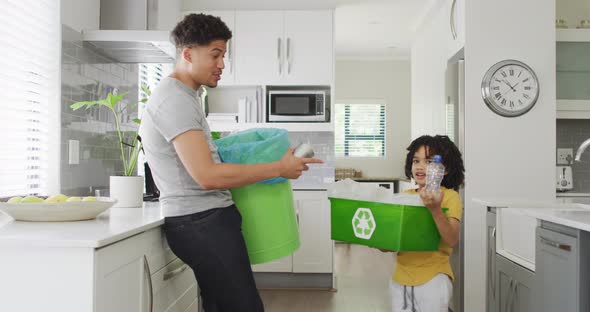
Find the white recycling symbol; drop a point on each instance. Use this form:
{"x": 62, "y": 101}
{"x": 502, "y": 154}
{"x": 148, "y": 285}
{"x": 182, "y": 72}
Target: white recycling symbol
{"x": 363, "y": 223}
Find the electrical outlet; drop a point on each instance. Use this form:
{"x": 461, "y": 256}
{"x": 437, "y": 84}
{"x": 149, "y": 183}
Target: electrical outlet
{"x": 565, "y": 156}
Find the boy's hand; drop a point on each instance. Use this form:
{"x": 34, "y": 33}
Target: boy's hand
{"x": 432, "y": 200}
{"x": 292, "y": 167}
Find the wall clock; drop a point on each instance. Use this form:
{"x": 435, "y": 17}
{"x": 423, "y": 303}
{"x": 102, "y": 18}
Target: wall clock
{"x": 510, "y": 88}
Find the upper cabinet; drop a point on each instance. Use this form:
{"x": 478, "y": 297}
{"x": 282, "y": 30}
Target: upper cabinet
{"x": 573, "y": 73}
{"x": 278, "y": 47}
{"x": 456, "y": 27}
{"x": 284, "y": 47}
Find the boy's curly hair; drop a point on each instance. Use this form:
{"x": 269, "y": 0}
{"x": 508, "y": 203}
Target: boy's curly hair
{"x": 199, "y": 29}
{"x": 451, "y": 158}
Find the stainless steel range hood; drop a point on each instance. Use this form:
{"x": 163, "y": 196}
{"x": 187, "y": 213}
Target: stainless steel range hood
{"x": 132, "y": 46}
{"x": 130, "y": 31}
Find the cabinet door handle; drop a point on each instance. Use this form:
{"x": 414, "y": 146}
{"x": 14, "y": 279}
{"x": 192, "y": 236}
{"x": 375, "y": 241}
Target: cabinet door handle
{"x": 452, "y": 21}
{"x": 297, "y": 216}
{"x": 146, "y": 267}
{"x": 491, "y": 271}
{"x": 289, "y": 56}
{"x": 508, "y": 296}
{"x": 514, "y": 294}
{"x": 555, "y": 244}
{"x": 279, "y": 54}
{"x": 177, "y": 271}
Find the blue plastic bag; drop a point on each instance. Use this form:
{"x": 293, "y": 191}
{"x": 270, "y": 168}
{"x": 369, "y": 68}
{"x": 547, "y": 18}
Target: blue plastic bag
{"x": 255, "y": 146}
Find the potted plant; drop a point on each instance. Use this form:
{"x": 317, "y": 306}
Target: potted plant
{"x": 127, "y": 189}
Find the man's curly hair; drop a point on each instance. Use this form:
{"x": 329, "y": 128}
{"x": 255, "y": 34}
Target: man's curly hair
{"x": 199, "y": 29}
{"x": 451, "y": 158}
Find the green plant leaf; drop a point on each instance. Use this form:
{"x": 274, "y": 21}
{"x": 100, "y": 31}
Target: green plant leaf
{"x": 113, "y": 100}
{"x": 137, "y": 121}
{"x": 144, "y": 100}
{"x": 78, "y": 105}
{"x": 146, "y": 90}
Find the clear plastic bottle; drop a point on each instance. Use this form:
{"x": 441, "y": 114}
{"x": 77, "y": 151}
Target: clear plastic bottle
{"x": 434, "y": 174}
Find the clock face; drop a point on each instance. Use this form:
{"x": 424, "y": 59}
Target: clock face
{"x": 510, "y": 88}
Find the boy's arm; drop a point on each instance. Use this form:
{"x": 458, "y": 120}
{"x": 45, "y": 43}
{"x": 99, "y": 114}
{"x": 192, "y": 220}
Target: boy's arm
{"x": 449, "y": 228}
{"x": 193, "y": 149}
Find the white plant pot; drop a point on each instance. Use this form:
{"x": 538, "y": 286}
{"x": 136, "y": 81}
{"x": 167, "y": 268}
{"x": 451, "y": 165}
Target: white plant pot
{"x": 128, "y": 191}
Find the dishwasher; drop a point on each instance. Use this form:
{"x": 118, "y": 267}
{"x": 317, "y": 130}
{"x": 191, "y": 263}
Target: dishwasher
{"x": 562, "y": 269}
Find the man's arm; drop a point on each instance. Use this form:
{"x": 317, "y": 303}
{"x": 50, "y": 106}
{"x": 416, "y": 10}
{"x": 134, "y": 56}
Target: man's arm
{"x": 194, "y": 152}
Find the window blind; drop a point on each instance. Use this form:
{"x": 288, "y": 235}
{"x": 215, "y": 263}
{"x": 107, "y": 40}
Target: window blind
{"x": 360, "y": 130}
{"x": 29, "y": 58}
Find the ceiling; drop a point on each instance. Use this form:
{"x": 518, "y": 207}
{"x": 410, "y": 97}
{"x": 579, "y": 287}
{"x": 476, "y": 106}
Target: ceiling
{"x": 378, "y": 29}
{"x": 364, "y": 29}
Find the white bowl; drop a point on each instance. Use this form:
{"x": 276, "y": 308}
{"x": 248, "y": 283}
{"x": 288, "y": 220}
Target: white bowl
{"x": 66, "y": 211}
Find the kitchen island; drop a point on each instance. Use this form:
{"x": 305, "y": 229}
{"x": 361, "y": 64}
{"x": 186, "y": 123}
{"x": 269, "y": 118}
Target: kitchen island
{"x": 538, "y": 255}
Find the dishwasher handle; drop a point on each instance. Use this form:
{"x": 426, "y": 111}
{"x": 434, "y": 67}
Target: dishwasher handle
{"x": 564, "y": 247}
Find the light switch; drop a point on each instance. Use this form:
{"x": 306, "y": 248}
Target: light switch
{"x": 74, "y": 152}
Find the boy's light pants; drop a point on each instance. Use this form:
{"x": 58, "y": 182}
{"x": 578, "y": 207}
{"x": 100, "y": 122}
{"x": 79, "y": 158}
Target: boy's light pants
{"x": 433, "y": 296}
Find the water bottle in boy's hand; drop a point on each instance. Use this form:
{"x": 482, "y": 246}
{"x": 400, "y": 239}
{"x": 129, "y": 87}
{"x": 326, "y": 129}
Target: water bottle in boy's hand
{"x": 434, "y": 174}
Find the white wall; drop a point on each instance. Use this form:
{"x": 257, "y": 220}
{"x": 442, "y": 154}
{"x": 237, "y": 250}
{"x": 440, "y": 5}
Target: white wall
{"x": 379, "y": 79}
{"x": 81, "y": 14}
{"x": 429, "y": 62}
{"x": 505, "y": 157}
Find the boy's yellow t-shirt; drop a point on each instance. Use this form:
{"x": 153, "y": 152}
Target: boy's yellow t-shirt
{"x": 416, "y": 268}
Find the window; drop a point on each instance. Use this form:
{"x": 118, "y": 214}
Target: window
{"x": 29, "y": 84}
{"x": 360, "y": 129}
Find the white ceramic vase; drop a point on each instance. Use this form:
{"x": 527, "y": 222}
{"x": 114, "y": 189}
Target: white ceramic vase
{"x": 128, "y": 191}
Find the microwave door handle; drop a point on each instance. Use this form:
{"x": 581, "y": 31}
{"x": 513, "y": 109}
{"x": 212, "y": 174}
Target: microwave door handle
{"x": 279, "y": 54}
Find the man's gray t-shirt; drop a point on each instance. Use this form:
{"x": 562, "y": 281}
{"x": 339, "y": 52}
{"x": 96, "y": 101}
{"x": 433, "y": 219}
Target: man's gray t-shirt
{"x": 172, "y": 109}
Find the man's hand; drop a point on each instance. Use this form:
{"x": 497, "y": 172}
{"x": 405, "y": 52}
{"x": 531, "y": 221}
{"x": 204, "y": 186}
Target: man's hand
{"x": 292, "y": 167}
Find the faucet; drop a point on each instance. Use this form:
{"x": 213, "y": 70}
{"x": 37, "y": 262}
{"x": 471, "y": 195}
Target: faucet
{"x": 581, "y": 149}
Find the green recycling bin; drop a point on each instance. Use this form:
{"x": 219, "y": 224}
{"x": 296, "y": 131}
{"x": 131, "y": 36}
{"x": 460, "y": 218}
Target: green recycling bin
{"x": 269, "y": 223}
{"x": 381, "y": 225}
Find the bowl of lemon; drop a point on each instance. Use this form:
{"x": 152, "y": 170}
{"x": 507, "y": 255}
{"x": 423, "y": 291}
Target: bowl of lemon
{"x": 55, "y": 208}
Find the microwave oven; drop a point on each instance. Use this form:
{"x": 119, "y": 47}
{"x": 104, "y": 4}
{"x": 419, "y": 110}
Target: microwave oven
{"x": 297, "y": 106}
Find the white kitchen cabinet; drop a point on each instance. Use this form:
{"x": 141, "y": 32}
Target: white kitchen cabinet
{"x": 315, "y": 254}
{"x": 284, "y": 47}
{"x": 228, "y": 17}
{"x": 284, "y": 265}
{"x": 142, "y": 274}
{"x": 514, "y": 286}
{"x": 308, "y": 47}
{"x": 259, "y": 45}
{"x": 136, "y": 274}
{"x": 313, "y": 216}
{"x": 456, "y": 29}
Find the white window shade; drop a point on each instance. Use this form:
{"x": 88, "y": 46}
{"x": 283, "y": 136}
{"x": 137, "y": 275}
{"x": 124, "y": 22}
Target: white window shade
{"x": 29, "y": 82}
{"x": 360, "y": 130}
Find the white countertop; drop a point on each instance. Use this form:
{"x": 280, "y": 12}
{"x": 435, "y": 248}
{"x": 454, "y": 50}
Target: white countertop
{"x": 573, "y": 194}
{"x": 530, "y": 203}
{"x": 577, "y": 219}
{"x": 111, "y": 226}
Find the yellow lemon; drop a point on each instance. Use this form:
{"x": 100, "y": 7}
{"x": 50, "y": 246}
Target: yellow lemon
{"x": 15, "y": 200}
{"x": 59, "y": 198}
{"x": 74, "y": 199}
{"x": 31, "y": 199}
{"x": 89, "y": 198}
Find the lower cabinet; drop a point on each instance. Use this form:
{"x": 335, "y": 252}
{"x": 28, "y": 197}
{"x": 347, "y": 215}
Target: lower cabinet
{"x": 491, "y": 298}
{"x": 514, "y": 286}
{"x": 315, "y": 254}
{"x": 142, "y": 274}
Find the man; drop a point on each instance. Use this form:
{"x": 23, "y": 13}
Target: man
{"x": 202, "y": 225}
